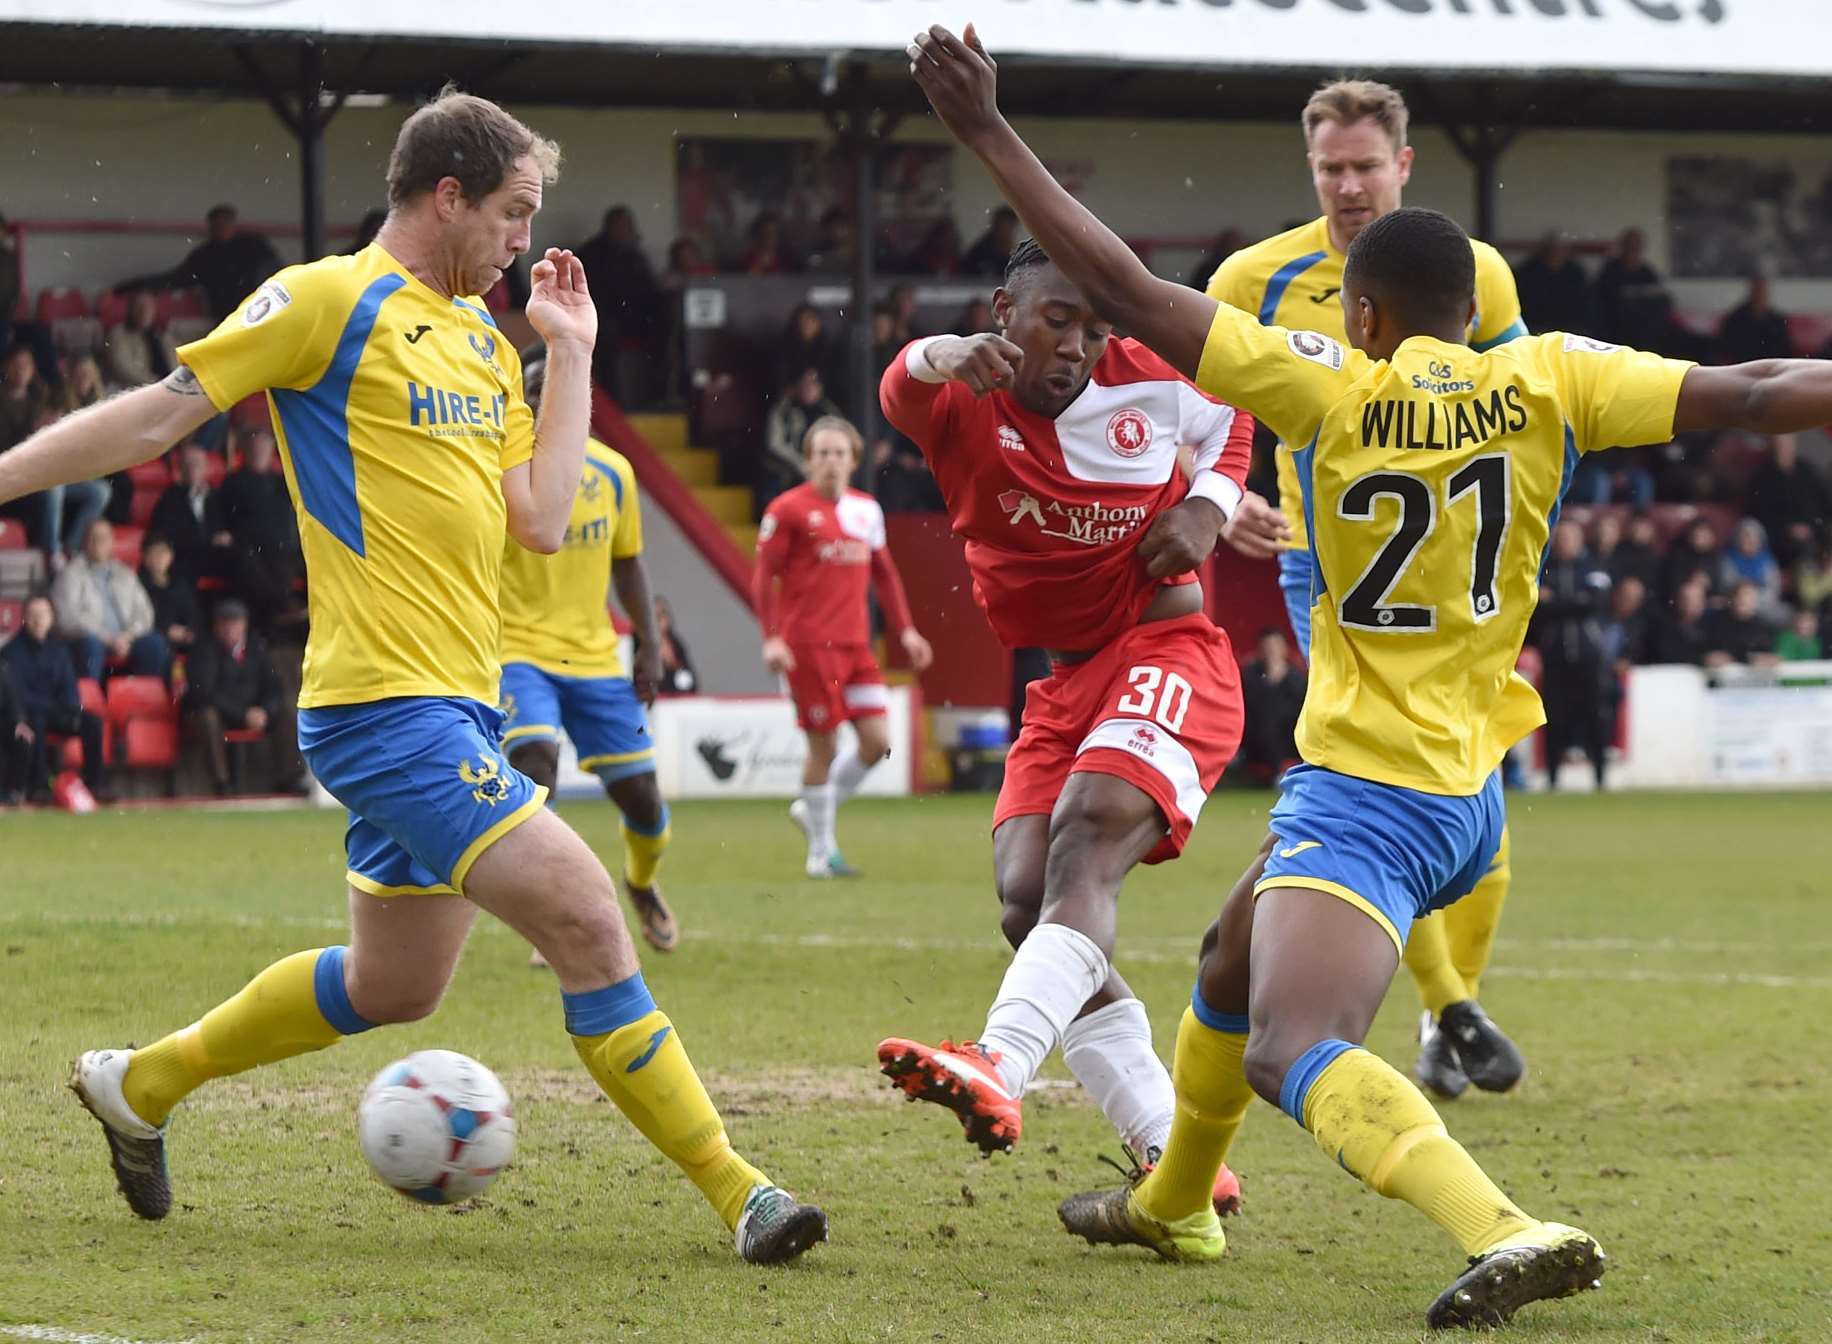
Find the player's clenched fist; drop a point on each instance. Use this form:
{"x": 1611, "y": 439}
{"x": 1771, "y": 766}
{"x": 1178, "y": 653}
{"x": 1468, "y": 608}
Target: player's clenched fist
{"x": 984, "y": 362}
{"x": 776, "y": 655}
{"x": 1181, "y": 538}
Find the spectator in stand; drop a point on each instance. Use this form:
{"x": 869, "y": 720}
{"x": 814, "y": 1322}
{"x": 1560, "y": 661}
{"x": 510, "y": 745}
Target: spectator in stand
{"x": 974, "y": 319}
{"x": 15, "y": 742}
{"x": 104, "y": 612}
{"x": 1632, "y": 300}
{"x": 1748, "y": 560}
{"x": 227, "y": 265}
{"x": 232, "y": 686}
{"x": 1738, "y": 634}
{"x": 904, "y": 326}
{"x": 1621, "y": 476}
{"x": 939, "y": 252}
{"x": 1693, "y": 552}
{"x": 1573, "y": 593}
{"x": 767, "y": 253}
{"x": 805, "y": 344}
{"x": 678, "y": 676}
{"x": 1789, "y": 497}
{"x": 24, "y": 395}
{"x": 1753, "y": 329}
{"x": 1625, "y": 631}
{"x": 1679, "y": 634}
{"x": 992, "y": 249}
{"x": 1638, "y": 555}
{"x": 1799, "y": 642}
{"x": 803, "y": 400}
{"x": 901, "y": 479}
{"x": 1813, "y": 577}
{"x": 837, "y": 248}
{"x": 43, "y": 676}
{"x": 370, "y": 225}
{"x": 885, "y": 346}
{"x": 83, "y": 384}
{"x": 1273, "y": 689}
{"x": 175, "y": 610}
{"x": 1555, "y": 290}
{"x": 1226, "y": 244}
{"x": 1605, "y": 541}
{"x": 137, "y": 348}
{"x": 686, "y": 261}
{"x": 9, "y": 282}
{"x": 627, "y": 296}
{"x": 187, "y": 514}
{"x": 262, "y": 536}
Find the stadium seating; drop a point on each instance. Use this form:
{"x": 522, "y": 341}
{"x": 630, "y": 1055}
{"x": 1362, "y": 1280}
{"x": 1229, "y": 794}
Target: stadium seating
{"x": 12, "y": 535}
{"x": 11, "y": 613}
{"x": 143, "y": 718}
{"x": 129, "y": 538}
{"x": 22, "y": 572}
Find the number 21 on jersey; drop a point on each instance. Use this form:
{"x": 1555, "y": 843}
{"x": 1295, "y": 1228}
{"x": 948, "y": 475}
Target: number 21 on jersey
{"x": 1485, "y": 482}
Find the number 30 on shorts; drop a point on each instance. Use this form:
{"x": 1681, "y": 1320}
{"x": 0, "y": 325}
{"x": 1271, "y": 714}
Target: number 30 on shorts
{"x": 1171, "y": 702}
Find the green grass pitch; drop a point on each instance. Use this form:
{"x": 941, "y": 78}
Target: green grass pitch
{"x": 1665, "y": 962}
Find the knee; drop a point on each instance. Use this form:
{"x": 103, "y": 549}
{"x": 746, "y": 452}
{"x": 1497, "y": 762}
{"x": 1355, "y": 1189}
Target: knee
{"x": 1019, "y": 915}
{"x": 640, "y": 801}
{"x": 1268, "y": 1059}
{"x": 390, "y": 1002}
{"x": 873, "y": 746}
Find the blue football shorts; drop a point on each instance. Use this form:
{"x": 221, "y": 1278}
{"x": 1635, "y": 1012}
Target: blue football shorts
{"x": 426, "y": 784}
{"x": 1395, "y": 854}
{"x": 607, "y": 723}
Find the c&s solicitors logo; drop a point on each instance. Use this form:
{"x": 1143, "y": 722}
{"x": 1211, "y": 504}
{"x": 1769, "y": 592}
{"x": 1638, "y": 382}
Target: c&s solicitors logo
{"x": 1661, "y": 11}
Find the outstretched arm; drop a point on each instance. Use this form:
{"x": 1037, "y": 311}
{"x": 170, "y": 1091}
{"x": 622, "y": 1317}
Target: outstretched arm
{"x": 1769, "y": 396}
{"x": 961, "y": 82}
{"x": 100, "y": 440}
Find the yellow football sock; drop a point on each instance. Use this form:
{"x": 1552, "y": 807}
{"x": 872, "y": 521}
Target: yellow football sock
{"x": 1366, "y": 1116}
{"x": 1212, "y": 1100}
{"x": 643, "y": 1067}
{"x": 296, "y": 1005}
{"x": 1470, "y": 924}
{"x": 642, "y": 854}
{"x": 1428, "y": 958}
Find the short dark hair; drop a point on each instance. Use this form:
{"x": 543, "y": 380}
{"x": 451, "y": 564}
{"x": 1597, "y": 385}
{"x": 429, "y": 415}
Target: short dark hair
{"x": 463, "y": 136}
{"x": 1415, "y": 263}
{"x": 1028, "y": 255}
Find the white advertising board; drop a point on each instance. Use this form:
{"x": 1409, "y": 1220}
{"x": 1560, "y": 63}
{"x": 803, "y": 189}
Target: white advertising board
{"x": 1751, "y": 37}
{"x": 744, "y": 747}
{"x": 1763, "y": 729}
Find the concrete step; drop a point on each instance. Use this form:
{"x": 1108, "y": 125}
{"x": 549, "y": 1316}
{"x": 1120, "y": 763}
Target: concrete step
{"x": 695, "y": 466}
{"x": 665, "y": 433}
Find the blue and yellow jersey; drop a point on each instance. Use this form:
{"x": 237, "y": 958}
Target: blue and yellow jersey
{"x": 397, "y": 412}
{"x": 554, "y": 605}
{"x": 1430, "y": 484}
{"x": 1295, "y": 280}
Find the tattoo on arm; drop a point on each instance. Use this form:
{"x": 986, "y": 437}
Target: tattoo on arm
{"x": 182, "y": 381}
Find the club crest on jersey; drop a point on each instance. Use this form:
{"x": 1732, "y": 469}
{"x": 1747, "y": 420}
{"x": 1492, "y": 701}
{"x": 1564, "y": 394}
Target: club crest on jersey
{"x": 1129, "y": 432}
{"x": 486, "y": 780}
{"x": 1316, "y": 347}
{"x": 1009, "y": 438}
{"x": 485, "y": 348}
{"x": 815, "y": 517}
{"x": 267, "y": 300}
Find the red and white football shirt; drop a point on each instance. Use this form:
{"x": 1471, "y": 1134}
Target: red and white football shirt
{"x": 825, "y": 552}
{"x": 1052, "y": 511}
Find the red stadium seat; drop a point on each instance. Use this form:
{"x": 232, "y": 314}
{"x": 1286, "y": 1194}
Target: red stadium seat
{"x": 111, "y": 307}
{"x": 1808, "y": 332}
{"x": 89, "y": 693}
{"x": 60, "y": 303}
{"x": 251, "y": 413}
{"x": 154, "y": 475}
{"x": 138, "y": 697}
{"x": 12, "y": 535}
{"x": 128, "y": 541}
{"x": 11, "y": 613}
{"x": 140, "y": 510}
{"x": 151, "y": 744}
{"x": 182, "y": 303}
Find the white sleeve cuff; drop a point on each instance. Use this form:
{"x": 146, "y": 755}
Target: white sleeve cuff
{"x": 916, "y": 360}
{"x": 1221, "y": 491}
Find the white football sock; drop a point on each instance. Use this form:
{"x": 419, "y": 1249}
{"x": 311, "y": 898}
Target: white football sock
{"x": 818, "y": 798}
{"x": 1054, "y": 973}
{"x": 847, "y": 774}
{"x": 1109, "y": 1052}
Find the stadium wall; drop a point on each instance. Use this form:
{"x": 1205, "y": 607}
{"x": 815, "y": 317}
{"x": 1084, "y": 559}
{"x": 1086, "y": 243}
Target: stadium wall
{"x": 165, "y": 160}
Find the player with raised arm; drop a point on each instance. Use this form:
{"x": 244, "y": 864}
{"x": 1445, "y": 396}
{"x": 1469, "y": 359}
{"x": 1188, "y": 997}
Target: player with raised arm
{"x": 1056, "y": 447}
{"x": 411, "y": 455}
{"x": 1360, "y": 162}
{"x": 1431, "y": 475}
{"x": 561, "y": 667}
{"x": 820, "y": 545}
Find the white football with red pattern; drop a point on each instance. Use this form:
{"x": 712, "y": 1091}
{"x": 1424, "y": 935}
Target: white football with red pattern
{"x": 437, "y": 1126}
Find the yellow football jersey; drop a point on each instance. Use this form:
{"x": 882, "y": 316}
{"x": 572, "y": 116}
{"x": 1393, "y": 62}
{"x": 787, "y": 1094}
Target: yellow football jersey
{"x": 554, "y": 605}
{"x": 1430, "y": 484}
{"x": 1294, "y": 279}
{"x": 397, "y": 412}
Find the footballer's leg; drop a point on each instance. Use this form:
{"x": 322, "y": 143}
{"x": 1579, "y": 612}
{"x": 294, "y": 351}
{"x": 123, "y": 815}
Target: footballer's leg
{"x": 1492, "y": 1061}
{"x": 647, "y": 829}
{"x": 813, "y": 811}
{"x": 1108, "y": 1046}
{"x": 542, "y": 880}
{"x": 539, "y": 759}
{"x": 872, "y": 743}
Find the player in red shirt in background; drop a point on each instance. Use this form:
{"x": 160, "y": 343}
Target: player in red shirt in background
{"x": 1056, "y": 446}
{"x": 825, "y": 541}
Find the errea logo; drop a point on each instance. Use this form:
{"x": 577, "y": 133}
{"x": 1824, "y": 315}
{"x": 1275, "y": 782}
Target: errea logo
{"x": 1010, "y": 439}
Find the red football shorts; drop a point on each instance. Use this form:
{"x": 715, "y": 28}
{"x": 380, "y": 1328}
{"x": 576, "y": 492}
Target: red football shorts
{"x": 832, "y": 684}
{"x": 1159, "y": 707}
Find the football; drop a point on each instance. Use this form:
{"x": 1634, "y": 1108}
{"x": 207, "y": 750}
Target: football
{"x": 437, "y": 1126}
